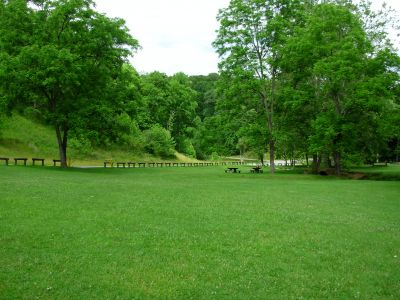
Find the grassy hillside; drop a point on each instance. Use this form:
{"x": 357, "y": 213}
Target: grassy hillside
{"x": 21, "y": 137}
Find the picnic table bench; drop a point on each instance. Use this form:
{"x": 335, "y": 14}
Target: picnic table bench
{"x": 5, "y": 159}
{"x": 159, "y": 164}
{"x": 232, "y": 170}
{"x": 256, "y": 170}
{"x": 131, "y": 164}
{"x": 151, "y": 164}
{"x": 374, "y": 164}
{"x": 55, "y": 161}
{"x": 167, "y": 164}
{"x": 108, "y": 162}
{"x": 121, "y": 163}
{"x": 142, "y": 164}
{"x": 20, "y": 158}
{"x": 37, "y": 159}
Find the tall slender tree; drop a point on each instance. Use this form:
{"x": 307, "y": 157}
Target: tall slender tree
{"x": 249, "y": 39}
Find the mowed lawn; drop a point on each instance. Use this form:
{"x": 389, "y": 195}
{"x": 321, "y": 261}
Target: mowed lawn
{"x": 195, "y": 233}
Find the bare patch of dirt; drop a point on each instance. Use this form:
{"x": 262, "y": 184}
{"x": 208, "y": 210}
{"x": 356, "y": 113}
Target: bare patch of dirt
{"x": 356, "y": 175}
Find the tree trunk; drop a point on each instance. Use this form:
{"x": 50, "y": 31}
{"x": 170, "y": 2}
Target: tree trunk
{"x": 307, "y": 160}
{"x": 62, "y": 135}
{"x": 268, "y": 99}
{"x": 316, "y": 163}
{"x": 337, "y": 159}
{"x": 319, "y": 163}
{"x": 326, "y": 160}
{"x": 261, "y": 158}
{"x": 272, "y": 155}
{"x": 293, "y": 160}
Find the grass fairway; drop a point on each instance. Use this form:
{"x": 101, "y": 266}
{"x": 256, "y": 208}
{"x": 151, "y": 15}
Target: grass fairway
{"x": 182, "y": 233}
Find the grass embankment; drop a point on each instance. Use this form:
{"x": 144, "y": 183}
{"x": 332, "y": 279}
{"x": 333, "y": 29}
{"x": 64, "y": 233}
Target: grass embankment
{"x": 181, "y": 233}
{"x": 387, "y": 173}
{"x": 22, "y": 137}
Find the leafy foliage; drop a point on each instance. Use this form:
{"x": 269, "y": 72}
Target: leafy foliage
{"x": 297, "y": 79}
{"x": 67, "y": 60}
{"x": 159, "y": 142}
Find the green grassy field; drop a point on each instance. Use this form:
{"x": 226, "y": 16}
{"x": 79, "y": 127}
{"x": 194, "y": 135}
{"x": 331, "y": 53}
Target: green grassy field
{"x": 196, "y": 233}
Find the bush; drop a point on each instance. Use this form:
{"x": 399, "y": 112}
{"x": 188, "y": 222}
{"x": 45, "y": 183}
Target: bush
{"x": 355, "y": 159}
{"x": 33, "y": 114}
{"x": 79, "y": 146}
{"x": 188, "y": 148}
{"x": 215, "y": 156}
{"x": 128, "y": 133}
{"x": 159, "y": 142}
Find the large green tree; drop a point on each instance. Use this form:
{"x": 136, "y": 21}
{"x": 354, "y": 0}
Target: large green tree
{"x": 60, "y": 56}
{"x": 114, "y": 118}
{"x": 346, "y": 83}
{"x": 249, "y": 39}
{"x": 171, "y": 103}
{"x": 205, "y": 86}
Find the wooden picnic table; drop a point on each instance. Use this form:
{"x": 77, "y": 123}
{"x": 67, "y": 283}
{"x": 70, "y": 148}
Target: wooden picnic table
{"x": 20, "y": 158}
{"x": 232, "y": 170}
{"x": 6, "y": 159}
{"x": 256, "y": 170}
{"x": 37, "y": 159}
{"x": 109, "y": 162}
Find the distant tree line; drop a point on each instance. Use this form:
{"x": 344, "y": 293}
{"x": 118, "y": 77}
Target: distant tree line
{"x": 298, "y": 79}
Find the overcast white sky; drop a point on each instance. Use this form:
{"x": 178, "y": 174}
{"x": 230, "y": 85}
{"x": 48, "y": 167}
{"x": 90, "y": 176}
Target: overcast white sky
{"x": 175, "y": 35}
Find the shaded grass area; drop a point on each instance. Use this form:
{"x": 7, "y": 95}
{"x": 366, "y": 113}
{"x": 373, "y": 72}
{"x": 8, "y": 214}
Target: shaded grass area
{"x": 181, "y": 233}
{"x": 390, "y": 172}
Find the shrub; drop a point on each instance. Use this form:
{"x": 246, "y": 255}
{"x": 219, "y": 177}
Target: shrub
{"x": 79, "y": 145}
{"x": 128, "y": 133}
{"x": 188, "y": 148}
{"x": 159, "y": 141}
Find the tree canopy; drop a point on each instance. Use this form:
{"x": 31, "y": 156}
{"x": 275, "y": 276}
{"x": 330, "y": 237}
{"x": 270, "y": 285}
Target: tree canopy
{"x": 298, "y": 79}
{"x": 59, "y": 56}
{"x": 321, "y": 77}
